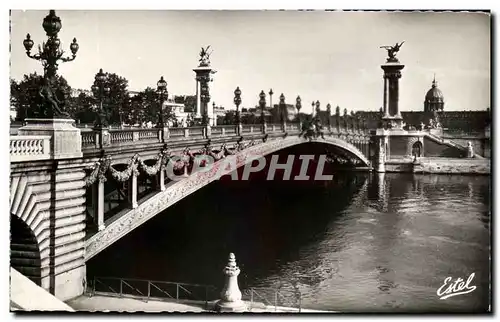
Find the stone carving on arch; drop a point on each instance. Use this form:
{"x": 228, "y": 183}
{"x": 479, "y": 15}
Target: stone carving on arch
{"x": 411, "y": 142}
{"x": 133, "y": 218}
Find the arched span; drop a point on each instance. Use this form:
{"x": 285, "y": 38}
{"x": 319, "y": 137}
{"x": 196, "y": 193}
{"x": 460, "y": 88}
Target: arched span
{"x": 24, "y": 250}
{"x": 338, "y": 143}
{"x": 176, "y": 191}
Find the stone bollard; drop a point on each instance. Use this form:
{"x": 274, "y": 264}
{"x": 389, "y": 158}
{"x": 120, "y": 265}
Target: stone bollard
{"x": 231, "y": 295}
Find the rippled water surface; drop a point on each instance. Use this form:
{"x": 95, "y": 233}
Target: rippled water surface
{"x": 360, "y": 243}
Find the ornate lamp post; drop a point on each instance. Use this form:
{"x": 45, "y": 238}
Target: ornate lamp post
{"x": 329, "y": 119}
{"x": 337, "y": 118}
{"x": 346, "y": 126}
{"x": 49, "y": 54}
{"x": 271, "y": 98}
{"x": 100, "y": 90}
{"x": 298, "y": 105}
{"x": 237, "y": 102}
{"x": 317, "y": 116}
{"x": 161, "y": 89}
{"x": 282, "y": 112}
{"x": 262, "y": 104}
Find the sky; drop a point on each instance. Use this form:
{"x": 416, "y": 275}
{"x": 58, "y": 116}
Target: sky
{"x": 333, "y": 57}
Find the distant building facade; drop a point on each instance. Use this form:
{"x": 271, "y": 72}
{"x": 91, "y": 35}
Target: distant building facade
{"x": 434, "y": 104}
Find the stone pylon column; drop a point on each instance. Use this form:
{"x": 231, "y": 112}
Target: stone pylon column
{"x": 203, "y": 108}
{"x": 231, "y": 295}
{"x": 392, "y": 74}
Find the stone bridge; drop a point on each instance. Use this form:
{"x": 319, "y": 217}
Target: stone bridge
{"x": 75, "y": 192}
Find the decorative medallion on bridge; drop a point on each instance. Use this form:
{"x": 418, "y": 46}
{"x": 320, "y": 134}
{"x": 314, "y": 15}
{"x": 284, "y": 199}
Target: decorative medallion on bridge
{"x": 231, "y": 294}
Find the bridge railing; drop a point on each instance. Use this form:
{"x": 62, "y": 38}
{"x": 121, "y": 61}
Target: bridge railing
{"x": 224, "y": 130}
{"x": 147, "y": 290}
{"x": 256, "y": 297}
{"x": 251, "y": 128}
{"x": 91, "y": 138}
{"x": 270, "y": 297}
{"x": 29, "y": 147}
{"x": 37, "y": 147}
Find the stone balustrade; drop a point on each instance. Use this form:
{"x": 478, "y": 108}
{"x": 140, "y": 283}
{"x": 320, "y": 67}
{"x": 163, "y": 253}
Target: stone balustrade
{"x": 26, "y": 148}
{"x": 224, "y": 130}
{"x": 88, "y": 139}
{"x": 29, "y": 147}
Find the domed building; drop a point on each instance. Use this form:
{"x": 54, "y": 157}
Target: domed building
{"x": 434, "y": 99}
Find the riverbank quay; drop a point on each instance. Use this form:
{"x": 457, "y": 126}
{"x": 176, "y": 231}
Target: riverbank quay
{"x": 100, "y": 303}
{"x": 438, "y": 165}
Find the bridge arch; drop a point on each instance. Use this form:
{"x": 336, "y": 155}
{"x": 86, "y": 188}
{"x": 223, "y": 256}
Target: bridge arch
{"x": 25, "y": 216}
{"x": 24, "y": 250}
{"x": 348, "y": 148}
{"x": 177, "y": 191}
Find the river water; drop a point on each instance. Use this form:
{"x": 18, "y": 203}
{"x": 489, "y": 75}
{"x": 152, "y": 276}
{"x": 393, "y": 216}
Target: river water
{"x": 360, "y": 243}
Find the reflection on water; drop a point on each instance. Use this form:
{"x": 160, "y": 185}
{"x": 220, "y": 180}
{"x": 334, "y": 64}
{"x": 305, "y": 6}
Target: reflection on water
{"x": 360, "y": 243}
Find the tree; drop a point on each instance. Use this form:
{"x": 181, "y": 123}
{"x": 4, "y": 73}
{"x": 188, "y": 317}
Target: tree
{"x": 115, "y": 105}
{"x": 84, "y": 106}
{"x": 145, "y": 108}
{"x": 230, "y": 117}
{"x": 189, "y": 102}
{"x": 150, "y": 105}
{"x": 26, "y": 99}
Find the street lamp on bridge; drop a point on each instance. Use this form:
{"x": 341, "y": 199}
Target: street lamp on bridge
{"x": 262, "y": 103}
{"x": 298, "y": 105}
{"x": 317, "y": 110}
{"x": 271, "y": 98}
{"x": 329, "y": 114}
{"x": 282, "y": 107}
{"x": 100, "y": 90}
{"x": 49, "y": 54}
{"x": 237, "y": 102}
{"x": 161, "y": 89}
